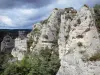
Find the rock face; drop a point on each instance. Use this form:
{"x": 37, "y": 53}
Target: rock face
{"x": 7, "y": 44}
{"x": 46, "y": 33}
{"x": 74, "y": 34}
{"x": 81, "y": 44}
{"x": 20, "y": 46}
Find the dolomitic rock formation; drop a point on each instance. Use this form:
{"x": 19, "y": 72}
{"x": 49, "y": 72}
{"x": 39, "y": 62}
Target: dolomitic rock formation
{"x": 7, "y": 44}
{"x": 82, "y": 43}
{"x": 20, "y": 46}
{"x": 74, "y": 35}
{"x": 45, "y": 34}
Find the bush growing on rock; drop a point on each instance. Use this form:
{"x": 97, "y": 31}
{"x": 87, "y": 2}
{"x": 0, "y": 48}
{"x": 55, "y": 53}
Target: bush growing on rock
{"x": 36, "y": 30}
{"x": 45, "y": 21}
{"x": 56, "y": 8}
{"x": 95, "y": 57}
{"x": 79, "y": 44}
{"x": 97, "y": 16}
{"x": 29, "y": 44}
{"x": 86, "y": 5}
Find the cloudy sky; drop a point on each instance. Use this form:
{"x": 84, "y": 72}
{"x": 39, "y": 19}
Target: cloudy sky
{"x": 22, "y": 14}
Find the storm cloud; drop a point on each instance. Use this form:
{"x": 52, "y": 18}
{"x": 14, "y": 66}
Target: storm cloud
{"x": 15, "y": 14}
{"x": 7, "y": 4}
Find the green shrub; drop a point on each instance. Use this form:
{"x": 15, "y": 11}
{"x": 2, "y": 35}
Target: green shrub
{"x": 97, "y": 16}
{"x": 45, "y": 63}
{"x": 79, "y": 44}
{"x": 97, "y": 6}
{"x": 45, "y": 21}
{"x": 95, "y": 57}
{"x": 29, "y": 44}
{"x": 86, "y": 5}
{"x": 36, "y": 29}
{"x": 56, "y": 8}
{"x": 4, "y": 58}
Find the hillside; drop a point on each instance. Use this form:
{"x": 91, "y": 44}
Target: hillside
{"x": 66, "y": 43}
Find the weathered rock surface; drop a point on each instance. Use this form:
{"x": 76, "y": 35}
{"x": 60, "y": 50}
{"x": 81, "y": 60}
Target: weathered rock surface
{"x": 7, "y": 44}
{"x": 74, "y": 34}
{"x": 48, "y": 30}
{"x": 82, "y": 42}
{"x": 20, "y": 46}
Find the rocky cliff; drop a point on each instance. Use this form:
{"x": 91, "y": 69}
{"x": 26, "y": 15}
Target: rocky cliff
{"x": 7, "y": 44}
{"x": 74, "y": 35}
{"x": 81, "y": 44}
{"x": 20, "y": 47}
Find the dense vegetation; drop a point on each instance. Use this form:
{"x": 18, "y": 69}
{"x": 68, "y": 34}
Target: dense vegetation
{"x": 44, "y": 63}
{"x": 4, "y": 58}
{"x": 97, "y": 16}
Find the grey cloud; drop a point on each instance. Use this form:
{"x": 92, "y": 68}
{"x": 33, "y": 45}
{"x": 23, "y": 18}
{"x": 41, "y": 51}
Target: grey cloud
{"x": 26, "y": 21}
{"x": 6, "y": 4}
{"x": 23, "y": 21}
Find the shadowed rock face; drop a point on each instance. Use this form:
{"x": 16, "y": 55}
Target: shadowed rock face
{"x": 13, "y": 33}
{"x": 22, "y": 34}
{"x": 7, "y": 44}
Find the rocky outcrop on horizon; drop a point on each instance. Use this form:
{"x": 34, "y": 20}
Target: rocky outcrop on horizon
{"x": 7, "y": 44}
{"x": 20, "y": 46}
